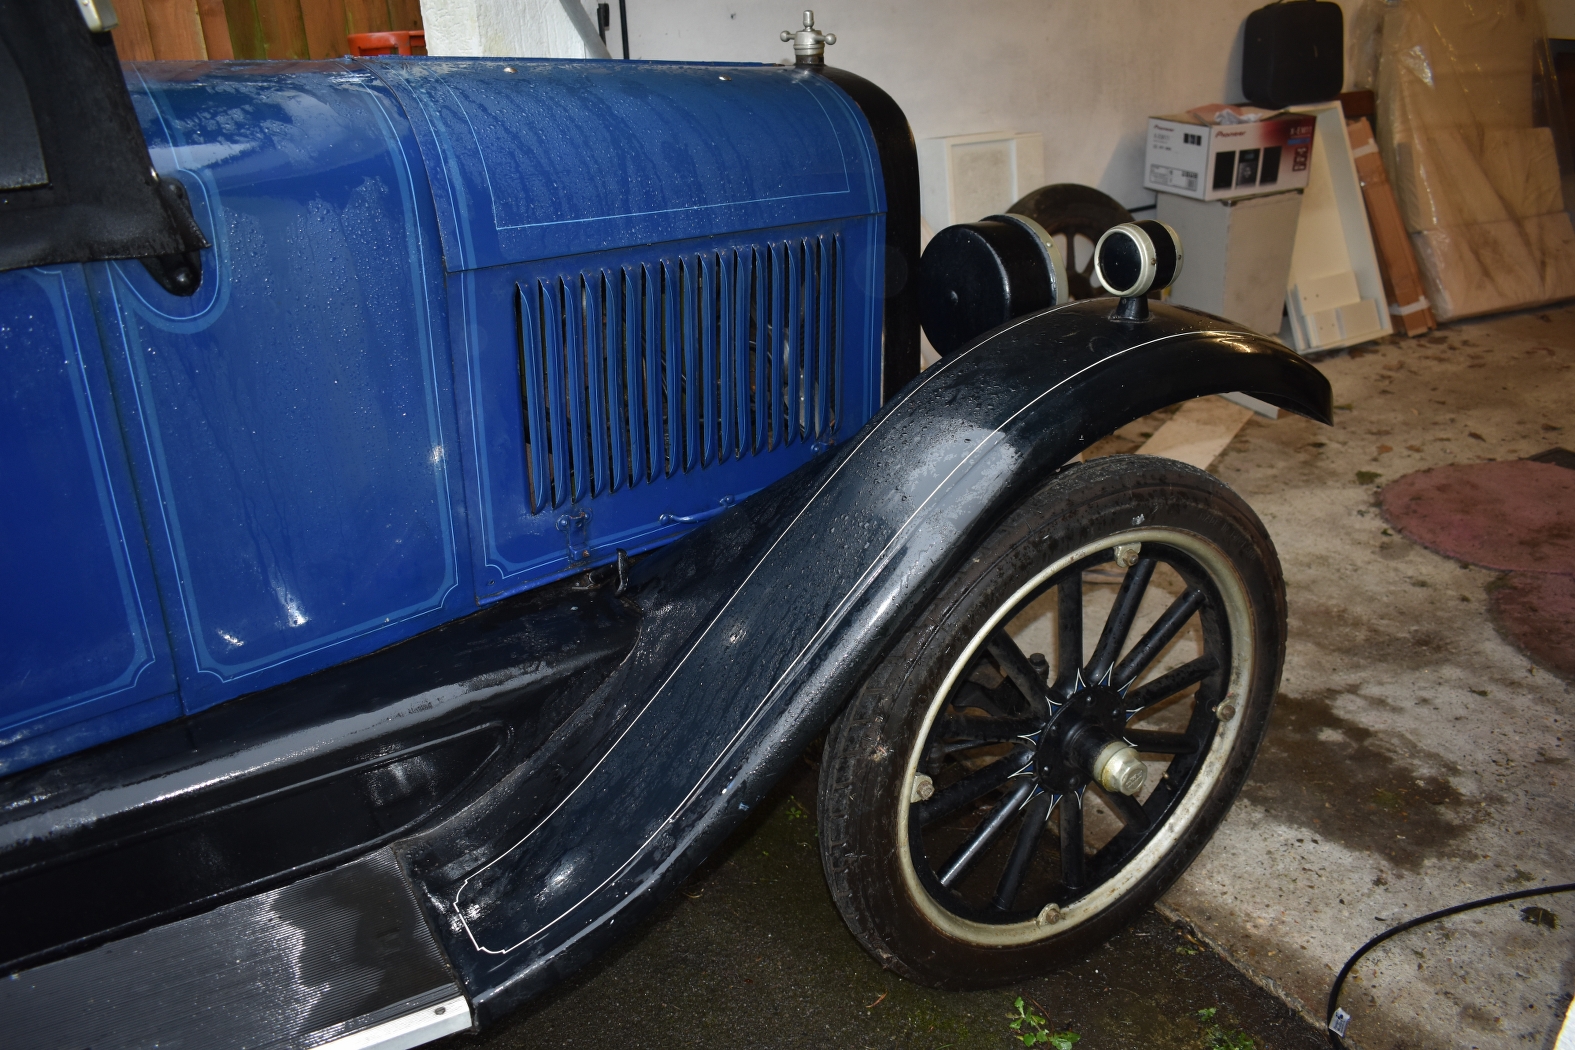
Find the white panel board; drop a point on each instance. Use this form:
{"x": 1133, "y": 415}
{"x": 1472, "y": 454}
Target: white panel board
{"x": 963, "y": 178}
{"x": 1237, "y": 255}
{"x": 1333, "y": 239}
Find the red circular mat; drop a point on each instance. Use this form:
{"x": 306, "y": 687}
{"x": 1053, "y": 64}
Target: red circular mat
{"x": 1508, "y": 516}
{"x": 1536, "y": 611}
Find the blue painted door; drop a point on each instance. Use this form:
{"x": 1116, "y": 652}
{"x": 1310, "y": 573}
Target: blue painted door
{"x": 83, "y": 651}
{"x": 290, "y": 423}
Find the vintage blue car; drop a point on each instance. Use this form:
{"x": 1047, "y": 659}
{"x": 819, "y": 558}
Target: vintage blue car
{"x": 442, "y": 496}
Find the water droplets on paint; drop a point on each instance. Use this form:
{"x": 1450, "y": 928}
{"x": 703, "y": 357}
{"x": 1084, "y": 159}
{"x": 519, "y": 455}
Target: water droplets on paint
{"x": 293, "y": 613}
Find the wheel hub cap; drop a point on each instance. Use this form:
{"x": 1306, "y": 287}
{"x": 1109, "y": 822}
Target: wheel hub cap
{"x": 1083, "y": 742}
{"x": 1118, "y": 768}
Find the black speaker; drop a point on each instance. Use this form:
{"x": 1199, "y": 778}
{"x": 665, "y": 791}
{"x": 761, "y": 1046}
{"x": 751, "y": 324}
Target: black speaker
{"x": 1294, "y": 52}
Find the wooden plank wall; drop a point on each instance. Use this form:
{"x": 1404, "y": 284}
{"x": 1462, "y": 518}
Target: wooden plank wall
{"x": 172, "y": 30}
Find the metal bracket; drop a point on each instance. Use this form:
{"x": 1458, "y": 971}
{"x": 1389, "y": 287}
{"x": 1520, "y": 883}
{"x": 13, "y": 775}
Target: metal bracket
{"x": 669, "y": 518}
{"x": 99, "y": 15}
{"x": 576, "y": 529}
{"x": 179, "y": 273}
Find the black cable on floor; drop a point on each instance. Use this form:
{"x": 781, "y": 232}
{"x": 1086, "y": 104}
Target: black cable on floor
{"x": 1334, "y": 993}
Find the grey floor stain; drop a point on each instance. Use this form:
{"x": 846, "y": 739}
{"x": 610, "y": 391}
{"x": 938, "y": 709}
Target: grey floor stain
{"x": 1331, "y": 776}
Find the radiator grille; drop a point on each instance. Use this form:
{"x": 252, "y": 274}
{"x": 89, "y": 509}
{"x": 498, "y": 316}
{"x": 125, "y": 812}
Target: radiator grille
{"x": 636, "y": 373}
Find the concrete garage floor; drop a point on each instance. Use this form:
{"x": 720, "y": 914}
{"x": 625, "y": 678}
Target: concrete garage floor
{"x": 1416, "y": 760}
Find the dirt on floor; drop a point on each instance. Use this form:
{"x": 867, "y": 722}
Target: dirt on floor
{"x": 752, "y": 953}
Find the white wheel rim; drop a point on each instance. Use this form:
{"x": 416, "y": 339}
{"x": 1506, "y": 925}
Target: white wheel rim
{"x": 1227, "y": 581}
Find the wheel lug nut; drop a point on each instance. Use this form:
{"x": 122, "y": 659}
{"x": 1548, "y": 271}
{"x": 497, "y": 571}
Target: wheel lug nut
{"x": 1040, "y": 664}
{"x": 1118, "y": 768}
{"x": 923, "y": 789}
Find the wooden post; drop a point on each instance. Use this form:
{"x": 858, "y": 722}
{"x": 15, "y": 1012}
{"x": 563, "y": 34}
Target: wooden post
{"x": 215, "y": 29}
{"x": 132, "y": 40}
{"x": 1396, "y": 259}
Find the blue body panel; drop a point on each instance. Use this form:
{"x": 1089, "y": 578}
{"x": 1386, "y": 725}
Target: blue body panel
{"x": 658, "y": 194}
{"x": 460, "y": 332}
{"x": 291, "y": 419}
{"x": 534, "y": 159}
{"x": 84, "y": 640}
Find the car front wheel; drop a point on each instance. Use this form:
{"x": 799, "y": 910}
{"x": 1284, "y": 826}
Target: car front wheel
{"x": 1061, "y": 729}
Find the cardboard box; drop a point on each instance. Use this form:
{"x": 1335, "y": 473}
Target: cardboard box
{"x": 1478, "y": 269}
{"x": 1552, "y": 240}
{"x": 1440, "y": 182}
{"x": 1523, "y": 166}
{"x": 1189, "y": 155}
{"x": 1497, "y": 266}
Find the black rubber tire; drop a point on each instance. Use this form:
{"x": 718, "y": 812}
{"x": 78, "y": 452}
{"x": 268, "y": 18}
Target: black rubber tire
{"x": 863, "y": 768}
{"x": 1072, "y": 209}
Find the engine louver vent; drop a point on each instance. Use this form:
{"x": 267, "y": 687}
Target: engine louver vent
{"x": 632, "y": 374}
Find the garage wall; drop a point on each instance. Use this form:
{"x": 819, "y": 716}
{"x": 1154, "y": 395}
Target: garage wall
{"x": 1084, "y": 73}
{"x": 1560, "y": 15}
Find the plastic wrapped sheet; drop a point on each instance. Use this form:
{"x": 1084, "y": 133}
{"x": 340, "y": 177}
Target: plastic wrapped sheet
{"x": 1524, "y": 170}
{"x": 1462, "y": 86}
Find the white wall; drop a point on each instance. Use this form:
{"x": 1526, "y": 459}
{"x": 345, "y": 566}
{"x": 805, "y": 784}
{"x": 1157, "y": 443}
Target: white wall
{"x": 510, "y": 29}
{"x": 1084, "y": 73}
{"x": 1561, "y": 20}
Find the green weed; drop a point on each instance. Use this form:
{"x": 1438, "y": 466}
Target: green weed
{"x": 1219, "y": 1039}
{"x": 1216, "y": 1037}
{"x": 1030, "y": 1029}
{"x": 1029, "y": 1026}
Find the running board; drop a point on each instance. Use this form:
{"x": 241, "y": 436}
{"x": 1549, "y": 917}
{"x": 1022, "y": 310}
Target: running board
{"x": 340, "y": 960}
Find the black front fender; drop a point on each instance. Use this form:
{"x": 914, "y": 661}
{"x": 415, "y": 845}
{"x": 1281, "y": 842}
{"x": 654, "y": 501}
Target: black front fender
{"x": 759, "y": 625}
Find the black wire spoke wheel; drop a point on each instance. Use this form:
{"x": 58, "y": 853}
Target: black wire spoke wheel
{"x": 1061, "y": 731}
{"x": 1075, "y": 216}
{"x": 1013, "y": 752}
